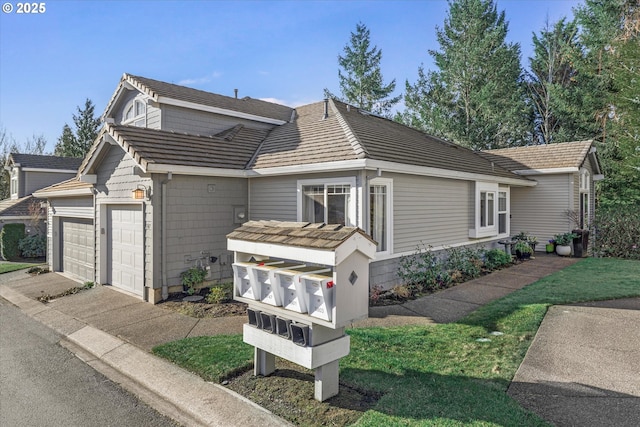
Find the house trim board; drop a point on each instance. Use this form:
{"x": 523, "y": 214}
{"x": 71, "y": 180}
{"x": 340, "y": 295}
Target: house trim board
{"x": 49, "y": 170}
{"x": 217, "y": 110}
{"x": 525, "y": 172}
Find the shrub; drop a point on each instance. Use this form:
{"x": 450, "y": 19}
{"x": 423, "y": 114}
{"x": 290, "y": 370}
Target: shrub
{"x": 465, "y": 261}
{"x": 220, "y": 293}
{"x": 192, "y": 278}
{"x": 10, "y": 236}
{"x": 421, "y": 270}
{"x": 33, "y": 246}
{"x": 617, "y": 232}
{"x": 495, "y": 259}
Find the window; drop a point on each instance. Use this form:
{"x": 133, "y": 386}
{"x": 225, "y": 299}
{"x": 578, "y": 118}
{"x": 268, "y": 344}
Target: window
{"x": 332, "y": 202}
{"x": 490, "y": 208}
{"x": 503, "y": 213}
{"x": 135, "y": 113}
{"x": 585, "y": 186}
{"x": 14, "y": 185}
{"x": 380, "y": 213}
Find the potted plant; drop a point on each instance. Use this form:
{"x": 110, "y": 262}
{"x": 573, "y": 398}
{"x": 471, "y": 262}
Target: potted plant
{"x": 550, "y": 247}
{"x": 581, "y": 232}
{"x": 563, "y": 243}
{"x": 533, "y": 241}
{"x": 523, "y": 250}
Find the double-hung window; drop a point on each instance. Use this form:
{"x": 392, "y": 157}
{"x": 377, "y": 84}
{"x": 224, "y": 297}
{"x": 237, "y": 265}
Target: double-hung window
{"x": 330, "y": 201}
{"x": 585, "y": 189}
{"x": 380, "y": 221}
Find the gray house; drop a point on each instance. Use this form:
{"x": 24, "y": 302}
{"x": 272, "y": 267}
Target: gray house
{"x": 29, "y": 173}
{"x": 175, "y": 169}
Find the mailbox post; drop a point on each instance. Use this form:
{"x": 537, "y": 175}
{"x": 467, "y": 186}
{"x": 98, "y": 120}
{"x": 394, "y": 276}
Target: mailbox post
{"x": 316, "y": 280}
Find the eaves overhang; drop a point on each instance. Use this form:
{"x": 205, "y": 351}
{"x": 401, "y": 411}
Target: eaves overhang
{"x": 547, "y": 171}
{"x": 78, "y": 192}
{"x": 386, "y": 166}
{"x": 194, "y": 170}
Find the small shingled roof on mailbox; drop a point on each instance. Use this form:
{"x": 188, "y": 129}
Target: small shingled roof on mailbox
{"x": 328, "y": 238}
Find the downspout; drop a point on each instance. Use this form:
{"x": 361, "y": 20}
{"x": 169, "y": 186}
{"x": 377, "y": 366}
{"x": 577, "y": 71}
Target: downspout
{"x": 94, "y": 192}
{"x": 163, "y": 236}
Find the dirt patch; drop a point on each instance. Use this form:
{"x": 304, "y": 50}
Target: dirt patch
{"x": 288, "y": 393}
{"x": 202, "y": 309}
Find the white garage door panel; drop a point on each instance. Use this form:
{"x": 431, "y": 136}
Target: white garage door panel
{"x": 126, "y": 256}
{"x": 77, "y": 247}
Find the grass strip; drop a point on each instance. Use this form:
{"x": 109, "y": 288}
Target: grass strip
{"x": 7, "y": 267}
{"x": 440, "y": 374}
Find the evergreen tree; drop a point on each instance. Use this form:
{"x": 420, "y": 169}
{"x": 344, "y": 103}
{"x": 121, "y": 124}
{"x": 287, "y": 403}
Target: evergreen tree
{"x": 77, "y": 144}
{"x": 361, "y": 78}
{"x": 476, "y": 97}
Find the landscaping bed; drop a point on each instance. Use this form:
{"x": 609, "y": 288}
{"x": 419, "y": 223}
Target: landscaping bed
{"x": 446, "y": 374}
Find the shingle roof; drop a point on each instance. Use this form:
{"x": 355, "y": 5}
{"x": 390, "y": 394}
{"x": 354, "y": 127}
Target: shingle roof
{"x": 37, "y": 161}
{"x": 70, "y": 185}
{"x": 349, "y": 133}
{"x": 147, "y": 146}
{"x": 299, "y": 234}
{"x": 546, "y": 156}
{"x": 156, "y": 88}
{"x": 18, "y": 207}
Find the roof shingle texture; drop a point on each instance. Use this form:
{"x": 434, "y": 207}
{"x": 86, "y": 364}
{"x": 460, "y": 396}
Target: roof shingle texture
{"x": 246, "y": 105}
{"x": 18, "y": 207}
{"x": 348, "y": 133}
{"x": 299, "y": 234}
{"x": 68, "y": 185}
{"x": 231, "y": 150}
{"x": 546, "y": 156}
{"x": 37, "y": 161}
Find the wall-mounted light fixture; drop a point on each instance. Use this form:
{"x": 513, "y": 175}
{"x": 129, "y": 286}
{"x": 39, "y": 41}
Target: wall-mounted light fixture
{"x": 141, "y": 192}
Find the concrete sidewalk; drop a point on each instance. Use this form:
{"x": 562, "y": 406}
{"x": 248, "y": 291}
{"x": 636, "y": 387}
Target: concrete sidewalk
{"x": 114, "y": 332}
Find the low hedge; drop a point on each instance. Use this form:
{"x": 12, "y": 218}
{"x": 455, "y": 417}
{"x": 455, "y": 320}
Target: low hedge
{"x": 10, "y": 237}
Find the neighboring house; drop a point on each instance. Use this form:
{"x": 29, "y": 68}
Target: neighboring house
{"x": 564, "y": 198}
{"x": 174, "y": 170}
{"x": 29, "y": 173}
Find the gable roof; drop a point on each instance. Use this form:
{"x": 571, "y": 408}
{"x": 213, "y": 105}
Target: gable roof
{"x": 298, "y": 234}
{"x": 348, "y": 133}
{"x": 566, "y": 156}
{"x": 70, "y": 188}
{"x": 169, "y": 93}
{"x": 161, "y": 151}
{"x": 17, "y": 207}
{"x": 36, "y": 161}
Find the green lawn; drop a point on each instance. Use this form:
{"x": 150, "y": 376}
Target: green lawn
{"x": 441, "y": 375}
{"x": 13, "y": 266}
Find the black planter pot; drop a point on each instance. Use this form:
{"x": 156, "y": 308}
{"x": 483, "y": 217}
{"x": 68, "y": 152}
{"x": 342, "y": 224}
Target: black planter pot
{"x": 521, "y": 255}
{"x": 580, "y": 243}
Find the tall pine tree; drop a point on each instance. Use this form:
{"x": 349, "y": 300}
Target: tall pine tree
{"x": 476, "y": 96}
{"x": 77, "y": 144}
{"x": 360, "y": 76}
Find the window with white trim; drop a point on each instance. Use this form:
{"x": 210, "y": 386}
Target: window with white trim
{"x": 503, "y": 211}
{"x": 585, "y": 187}
{"x": 380, "y": 220}
{"x": 14, "y": 186}
{"x": 135, "y": 114}
{"x": 330, "y": 201}
{"x": 486, "y": 210}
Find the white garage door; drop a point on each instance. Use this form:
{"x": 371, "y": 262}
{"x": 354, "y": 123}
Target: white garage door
{"x": 77, "y": 247}
{"x": 125, "y": 246}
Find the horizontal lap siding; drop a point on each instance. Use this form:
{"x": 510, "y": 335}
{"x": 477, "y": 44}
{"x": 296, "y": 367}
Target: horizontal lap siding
{"x": 540, "y": 210}
{"x": 199, "y": 220}
{"x": 429, "y": 211}
{"x": 273, "y": 198}
{"x": 180, "y": 119}
{"x": 34, "y": 181}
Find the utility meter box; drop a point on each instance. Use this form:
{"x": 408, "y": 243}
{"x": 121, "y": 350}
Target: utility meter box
{"x": 311, "y": 281}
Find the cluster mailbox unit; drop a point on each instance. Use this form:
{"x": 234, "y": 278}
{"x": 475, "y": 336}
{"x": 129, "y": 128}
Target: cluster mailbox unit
{"x": 303, "y": 283}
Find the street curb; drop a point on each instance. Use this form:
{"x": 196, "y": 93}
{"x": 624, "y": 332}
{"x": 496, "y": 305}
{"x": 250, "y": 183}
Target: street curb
{"x": 201, "y": 402}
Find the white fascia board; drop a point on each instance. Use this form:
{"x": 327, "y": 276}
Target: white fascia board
{"x": 386, "y": 167}
{"x": 49, "y": 170}
{"x": 97, "y": 151}
{"x": 525, "y": 172}
{"x": 316, "y": 256}
{"x": 89, "y": 178}
{"x": 222, "y": 111}
{"x": 64, "y": 193}
{"x": 194, "y": 170}
{"x": 13, "y": 218}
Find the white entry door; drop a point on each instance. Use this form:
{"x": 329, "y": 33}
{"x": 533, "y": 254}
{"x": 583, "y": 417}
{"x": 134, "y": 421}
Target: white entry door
{"x": 126, "y": 248}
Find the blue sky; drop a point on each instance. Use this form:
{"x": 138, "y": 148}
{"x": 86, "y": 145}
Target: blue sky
{"x": 281, "y": 50}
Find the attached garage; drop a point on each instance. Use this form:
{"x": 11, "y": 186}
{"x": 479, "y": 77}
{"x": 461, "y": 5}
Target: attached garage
{"x": 77, "y": 248}
{"x": 125, "y": 248}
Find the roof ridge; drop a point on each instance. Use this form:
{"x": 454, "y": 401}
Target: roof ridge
{"x": 351, "y": 136}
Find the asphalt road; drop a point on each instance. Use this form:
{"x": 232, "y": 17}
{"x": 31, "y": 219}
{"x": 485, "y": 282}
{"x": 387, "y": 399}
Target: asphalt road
{"x": 43, "y": 384}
